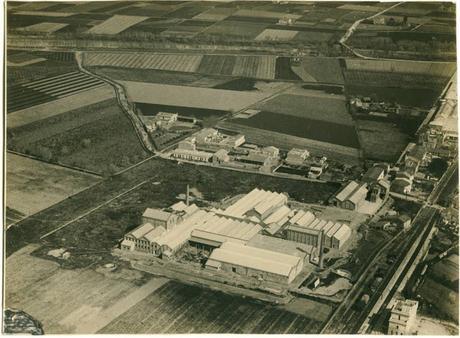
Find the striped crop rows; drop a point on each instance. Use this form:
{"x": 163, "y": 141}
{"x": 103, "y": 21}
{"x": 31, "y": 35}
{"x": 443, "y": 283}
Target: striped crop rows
{"x": 45, "y": 90}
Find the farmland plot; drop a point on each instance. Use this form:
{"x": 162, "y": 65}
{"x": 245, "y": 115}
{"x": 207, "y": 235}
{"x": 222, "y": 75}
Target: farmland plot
{"x": 116, "y": 24}
{"x": 29, "y": 94}
{"x": 178, "y": 308}
{"x": 215, "y": 14}
{"x": 234, "y": 28}
{"x": 41, "y": 13}
{"x": 276, "y": 35}
{"x": 322, "y": 107}
{"x": 44, "y": 27}
{"x": 34, "y": 185}
{"x": 23, "y": 59}
{"x": 32, "y": 6}
{"x": 326, "y": 70}
{"x": 71, "y": 301}
{"x": 262, "y": 67}
{"x": 58, "y": 106}
{"x": 265, "y": 14}
{"x": 217, "y": 99}
{"x": 217, "y": 64}
{"x": 171, "y": 62}
{"x": 441, "y": 69}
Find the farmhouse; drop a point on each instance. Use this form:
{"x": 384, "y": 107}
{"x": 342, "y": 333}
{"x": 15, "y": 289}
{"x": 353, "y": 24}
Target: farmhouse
{"x": 254, "y": 262}
{"x": 296, "y": 156}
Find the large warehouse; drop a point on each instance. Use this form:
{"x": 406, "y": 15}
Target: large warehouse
{"x": 254, "y": 262}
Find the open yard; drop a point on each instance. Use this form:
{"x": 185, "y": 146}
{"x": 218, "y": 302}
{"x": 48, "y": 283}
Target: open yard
{"x": 33, "y": 185}
{"x": 178, "y": 308}
{"x": 217, "y": 99}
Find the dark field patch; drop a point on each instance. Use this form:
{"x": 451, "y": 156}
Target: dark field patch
{"x": 187, "y": 12}
{"x": 252, "y": 19}
{"x": 113, "y": 7}
{"x": 20, "y": 97}
{"x": 242, "y": 84}
{"x": 327, "y": 70}
{"x": 199, "y": 113}
{"x": 206, "y": 311}
{"x": 244, "y": 30}
{"x": 303, "y": 127}
{"x": 283, "y": 69}
{"x": 217, "y": 64}
{"x": 330, "y": 89}
{"x": 413, "y": 97}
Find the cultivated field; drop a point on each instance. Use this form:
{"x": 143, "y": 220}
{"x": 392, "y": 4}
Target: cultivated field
{"x": 265, "y": 14}
{"x": 58, "y": 106}
{"x": 326, "y": 70}
{"x": 262, "y": 67}
{"x": 441, "y": 69}
{"x": 45, "y": 27}
{"x": 312, "y": 105}
{"x": 33, "y": 185}
{"x": 234, "y": 28}
{"x": 72, "y": 301}
{"x": 30, "y": 94}
{"x": 376, "y": 138}
{"x": 116, "y": 24}
{"x": 171, "y": 62}
{"x": 276, "y": 34}
{"x": 178, "y": 308}
{"x": 217, "y": 99}
{"x": 215, "y": 14}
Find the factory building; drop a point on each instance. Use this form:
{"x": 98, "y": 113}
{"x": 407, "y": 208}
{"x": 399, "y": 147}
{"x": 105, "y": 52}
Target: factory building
{"x": 220, "y": 156}
{"x": 158, "y": 217}
{"x": 403, "y": 318}
{"x": 213, "y": 230}
{"x": 210, "y": 139}
{"x": 351, "y": 197}
{"x": 297, "y": 157}
{"x": 256, "y": 263}
{"x": 191, "y": 155}
{"x": 305, "y": 227}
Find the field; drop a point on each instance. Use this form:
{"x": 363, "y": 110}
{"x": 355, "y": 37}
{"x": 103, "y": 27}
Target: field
{"x": 304, "y": 127}
{"x": 45, "y": 27}
{"x": 375, "y": 138}
{"x": 116, "y": 24}
{"x": 441, "y": 69}
{"x": 199, "y": 113}
{"x": 33, "y": 185}
{"x": 97, "y": 137}
{"x": 262, "y": 67}
{"x": 276, "y": 34}
{"x": 171, "y": 62}
{"x": 217, "y": 64}
{"x": 72, "y": 301}
{"x": 313, "y": 105}
{"x": 58, "y": 106}
{"x": 215, "y": 14}
{"x": 433, "y": 292}
{"x": 158, "y": 76}
{"x": 265, "y": 14}
{"x": 177, "y": 308}
{"x": 170, "y": 95}
{"x": 236, "y": 29}
{"x": 326, "y": 70}
{"x": 30, "y": 94}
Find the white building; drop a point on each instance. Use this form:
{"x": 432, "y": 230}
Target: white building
{"x": 191, "y": 155}
{"x": 403, "y": 318}
{"x": 254, "y": 262}
{"x": 297, "y": 157}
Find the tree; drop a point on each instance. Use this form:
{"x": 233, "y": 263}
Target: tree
{"x": 437, "y": 167}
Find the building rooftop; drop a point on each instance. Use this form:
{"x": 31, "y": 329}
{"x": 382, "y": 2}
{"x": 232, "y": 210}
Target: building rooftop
{"x": 373, "y": 174}
{"x": 156, "y": 214}
{"x": 255, "y": 258}
{"x": 281, "y": 245}
{"x": 345, "y": 192}
{"x": 141, "y": 230}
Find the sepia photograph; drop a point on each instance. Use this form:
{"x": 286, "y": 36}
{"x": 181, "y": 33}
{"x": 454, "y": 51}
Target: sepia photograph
{"x": 230, "y": 167}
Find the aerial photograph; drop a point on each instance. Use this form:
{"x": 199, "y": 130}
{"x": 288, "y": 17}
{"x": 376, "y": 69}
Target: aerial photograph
{"x": 219, "y": 166}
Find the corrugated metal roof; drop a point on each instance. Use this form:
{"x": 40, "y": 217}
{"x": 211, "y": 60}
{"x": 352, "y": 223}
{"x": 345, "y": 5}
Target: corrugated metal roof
{"x": 343, "y": 233}
{"x": 307, "y": 219}
{"x": 277, "y": 215}
{"x": 345, "y": 192}
{"x": 142, "y": 230}
{"x": 297, "y": 216}
{"x": 280, "y": 245}
{"x": 179, "y": 206}
{"x": 302, "y": 229}
{"x": 153, "y": 235}
{"x": 156, "y": 214}
{"x": 358, "y": 194}
{"x": 333, "y": 230}
{"x": 255, "y": 258}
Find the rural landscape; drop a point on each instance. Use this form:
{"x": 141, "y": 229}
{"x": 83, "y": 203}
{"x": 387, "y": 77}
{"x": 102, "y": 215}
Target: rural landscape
{"x": 258, "y": 167}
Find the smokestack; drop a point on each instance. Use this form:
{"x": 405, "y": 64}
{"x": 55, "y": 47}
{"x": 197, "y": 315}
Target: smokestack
{"x": 320, "y": 259}
{"x": 187, "y": 197}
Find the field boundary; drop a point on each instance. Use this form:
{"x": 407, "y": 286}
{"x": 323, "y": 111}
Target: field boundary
{"x": 89, "y": 172}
